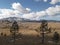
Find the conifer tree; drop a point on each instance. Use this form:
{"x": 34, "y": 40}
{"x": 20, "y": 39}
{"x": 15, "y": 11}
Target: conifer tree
{"x": 14, "y": 30}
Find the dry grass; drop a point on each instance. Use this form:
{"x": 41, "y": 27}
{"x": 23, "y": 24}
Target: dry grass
{"x": 28, "y": 28}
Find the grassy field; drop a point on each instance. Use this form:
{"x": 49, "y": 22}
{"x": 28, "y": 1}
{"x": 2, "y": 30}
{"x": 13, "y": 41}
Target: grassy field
{"x": 29, "y": 34}
{"x": 28, "y": 28}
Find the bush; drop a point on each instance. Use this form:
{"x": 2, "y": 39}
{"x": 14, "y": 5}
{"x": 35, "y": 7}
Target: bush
{"x": 56, "y": 37}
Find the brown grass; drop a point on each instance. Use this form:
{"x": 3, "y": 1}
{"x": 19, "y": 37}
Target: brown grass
{"x": 28, "y": 28}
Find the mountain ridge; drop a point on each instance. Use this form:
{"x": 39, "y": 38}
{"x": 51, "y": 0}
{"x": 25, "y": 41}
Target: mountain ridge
{"x": 11, "y": 19}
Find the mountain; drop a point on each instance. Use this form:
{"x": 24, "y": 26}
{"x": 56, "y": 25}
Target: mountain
{"x": 11, "y": 19}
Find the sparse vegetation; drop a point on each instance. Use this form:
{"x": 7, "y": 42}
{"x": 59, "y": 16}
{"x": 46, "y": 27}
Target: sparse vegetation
{"x": 29, "y": 34}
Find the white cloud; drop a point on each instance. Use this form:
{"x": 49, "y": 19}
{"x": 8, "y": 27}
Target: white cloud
{"x": 7, "y": 12}
{"x": 28, "y": 9}
{"x": 29, "y": 15}
{"x": 54, "y": 1}
{"x": 34, "y": 15}
{"x": 53, "y": 10}
{"x": 17, "y": 6}
{"x": 19, "y": 10}
{"x": 41, "y": 13}
{"x": 16, "y": 9}
{"x": 37, "y": 0}
{"x": 45, "y": 0}
{"x": 40, "y": 0}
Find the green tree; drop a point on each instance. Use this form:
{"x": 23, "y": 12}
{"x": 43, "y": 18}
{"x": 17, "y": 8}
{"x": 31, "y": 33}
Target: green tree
{"x": 43, "y": 29}
{"x": 14, "y": 27}
{"x": 14, "y": 30}
{"x": 56, "y": 37}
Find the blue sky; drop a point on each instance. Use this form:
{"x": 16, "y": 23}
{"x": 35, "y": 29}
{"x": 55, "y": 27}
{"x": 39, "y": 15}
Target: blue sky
{"x": 30, "y": 9}
{"x": 35, "y": 6}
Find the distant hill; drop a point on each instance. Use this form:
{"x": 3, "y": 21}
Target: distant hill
{"x": 18, "y": 19}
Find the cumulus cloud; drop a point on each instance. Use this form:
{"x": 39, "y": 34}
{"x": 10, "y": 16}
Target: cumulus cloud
{"x": 16, "y": 9}
{"x": 40, "y": 0}
{"x": 19, "y": 10}
{"x": 45, "y": 0}
{"x": 6, "y": 11}
{"x": 28, "y": 9}
{"x": 29, "y": 15}
{"x": 54, "y": 1}
{"x": 41, "y": 13}
{"x": 37, "y": 0}
{"x": 34, "y": 15}
{"x": 53, "y": 10}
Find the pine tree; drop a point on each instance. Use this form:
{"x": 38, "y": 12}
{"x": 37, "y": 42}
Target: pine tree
{"x": 14, "y": 27}
{"x": 43, "y": 29}
{"x": 14, "y": 30}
